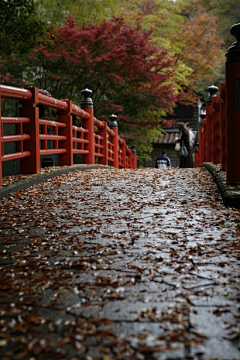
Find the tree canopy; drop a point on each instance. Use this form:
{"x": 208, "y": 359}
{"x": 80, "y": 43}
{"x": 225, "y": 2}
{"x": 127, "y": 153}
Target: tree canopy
{"x": 20, "y": 29}
{"x": 228, "y": 14}
{"x": 19, "y": 26}
{"x": 128, "y": 74}
{"x": 188, "y": 31}
{"x": 138, "y": 57}
{"x": 84, "y": 11}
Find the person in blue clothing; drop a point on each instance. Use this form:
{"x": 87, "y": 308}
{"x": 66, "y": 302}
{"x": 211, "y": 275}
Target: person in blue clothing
{"x": 163, "y": 162}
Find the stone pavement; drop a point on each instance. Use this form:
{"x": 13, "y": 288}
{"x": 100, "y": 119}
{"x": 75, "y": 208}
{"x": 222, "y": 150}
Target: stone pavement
{"x": 119, "y": 264}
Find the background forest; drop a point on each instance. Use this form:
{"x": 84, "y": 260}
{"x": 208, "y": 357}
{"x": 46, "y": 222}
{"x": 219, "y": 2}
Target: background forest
{"x": 139, "y": 57}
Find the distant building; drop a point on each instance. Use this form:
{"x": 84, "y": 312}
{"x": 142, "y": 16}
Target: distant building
{"x": 166, "y": 141}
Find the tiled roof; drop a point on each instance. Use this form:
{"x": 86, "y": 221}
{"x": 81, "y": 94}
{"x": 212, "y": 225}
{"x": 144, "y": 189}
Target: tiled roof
{"x": 168, "y": 138}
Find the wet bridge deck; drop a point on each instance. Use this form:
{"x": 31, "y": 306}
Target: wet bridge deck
{"x": 119, "y": 264}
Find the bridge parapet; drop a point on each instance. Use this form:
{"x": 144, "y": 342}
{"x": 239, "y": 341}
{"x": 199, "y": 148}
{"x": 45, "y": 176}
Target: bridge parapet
{"x": 219, "y": 130}
{"x": 72, "y": 130}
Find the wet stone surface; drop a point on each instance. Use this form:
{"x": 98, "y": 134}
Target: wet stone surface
{"x": 119, "y": 264}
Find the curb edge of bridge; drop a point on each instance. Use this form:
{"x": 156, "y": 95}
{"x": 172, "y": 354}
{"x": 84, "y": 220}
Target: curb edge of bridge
{"x": 38, "y": 178}
{"x": 230, "y": 194}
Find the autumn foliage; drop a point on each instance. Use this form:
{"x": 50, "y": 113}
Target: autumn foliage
{"x": 138, "y": 63}
{"x": 188, "y": 32}
{"x": 128, "y": 74}
{"x": 202, "y": 51}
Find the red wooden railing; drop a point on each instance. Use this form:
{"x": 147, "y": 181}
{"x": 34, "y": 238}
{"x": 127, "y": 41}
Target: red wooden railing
{"x": 95, "y": 140}
{"x": 219, "y": 135}
{"x": 210, "y": 149}
{"x": 213, "y": 144}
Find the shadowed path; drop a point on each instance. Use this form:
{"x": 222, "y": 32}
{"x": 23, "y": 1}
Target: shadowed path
{"x": 119, "y": 264}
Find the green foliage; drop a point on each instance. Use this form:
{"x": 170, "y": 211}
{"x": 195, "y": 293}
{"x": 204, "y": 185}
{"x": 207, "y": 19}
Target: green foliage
{"x": 19, "y": 27}
{"x": 144, "y": 145}
{"x": 84, "y": 11}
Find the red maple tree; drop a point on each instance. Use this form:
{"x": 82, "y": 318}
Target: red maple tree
{"x": 128, "y": 74}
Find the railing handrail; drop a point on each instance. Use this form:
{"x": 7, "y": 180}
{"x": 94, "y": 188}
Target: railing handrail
{"x": 10, "y": 92}
{"x": 52, "y": 102}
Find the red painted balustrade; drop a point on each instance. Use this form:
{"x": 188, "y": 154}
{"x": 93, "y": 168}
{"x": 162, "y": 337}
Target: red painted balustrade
{"x": 73, "y": 130}
{"x": 219, "y": 132}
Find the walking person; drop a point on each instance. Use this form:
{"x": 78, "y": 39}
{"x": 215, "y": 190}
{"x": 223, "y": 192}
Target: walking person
{"x": 192, "y": 141}
{"x": 163, "y": 162}
{"x": 191, "y": 136}
{"x": 186, "y": 161}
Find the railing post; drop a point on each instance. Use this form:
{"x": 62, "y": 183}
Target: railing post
{"x": 216, "y": 130}
{"x": 66, "y": 118}
{"x": 87, "y": 105}
{"x": 223, "y": 128}
{"x": 197, "y": 161}
{"x": 129, "y": 163}
{"x": 114, "y": 126}
{"x": 104, "y": 151}
{"x": 233, "y": 108}
{"x": 212, "y": 90}
{"x": 124, "y": 150}
{"x": 200, "y": 139}
{"x": 31, "y": 165}
{"x": 134, "y": 157}
{"x": 204, "y": 141}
